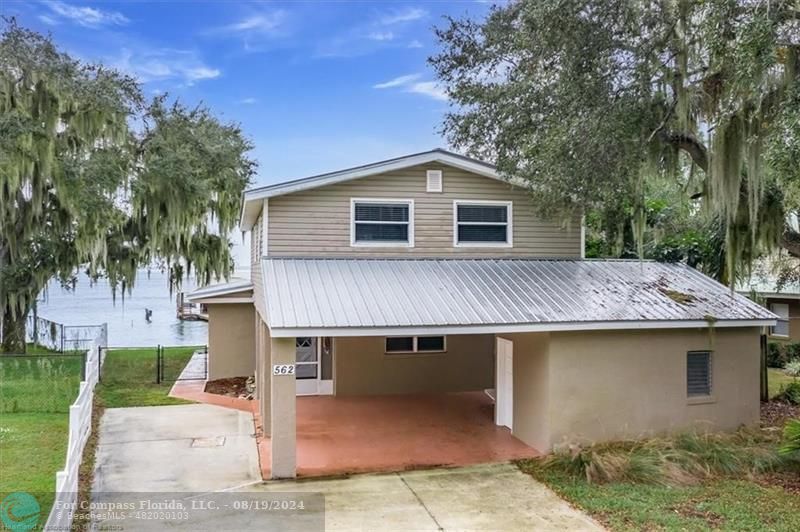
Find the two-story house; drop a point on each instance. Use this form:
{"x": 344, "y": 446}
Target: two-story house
{"x": 424, "y": 293}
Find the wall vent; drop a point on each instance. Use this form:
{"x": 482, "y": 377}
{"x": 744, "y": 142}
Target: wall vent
{"x": 434, "y": 180}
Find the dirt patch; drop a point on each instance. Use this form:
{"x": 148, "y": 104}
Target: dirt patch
{"x": 231, "y": 387}
{"x": 777, "y": 413}
{"x": 788, "y": 480}
{"x": 690, "y": 510}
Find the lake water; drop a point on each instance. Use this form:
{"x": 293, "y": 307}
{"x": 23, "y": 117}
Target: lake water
{"x": 91, "y": 304}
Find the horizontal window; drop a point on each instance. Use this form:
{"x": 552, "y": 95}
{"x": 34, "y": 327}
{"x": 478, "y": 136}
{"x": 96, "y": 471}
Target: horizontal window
{"x": 482, "y": 223}
{"x": 415, "y": 344}
{"x": 698, "y": 373}
{"x": 382, "y": 222}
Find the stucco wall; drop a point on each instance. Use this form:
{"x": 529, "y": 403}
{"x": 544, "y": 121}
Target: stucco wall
{"x": 231, "y": 340}
{"x": 531, "y": 388}
{"x": 362, "y": 367}
{"x": 627, "y": 384}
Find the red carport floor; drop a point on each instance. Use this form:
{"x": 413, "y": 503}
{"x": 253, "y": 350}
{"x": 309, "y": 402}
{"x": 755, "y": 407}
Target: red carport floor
{"x": 337, "y": 435}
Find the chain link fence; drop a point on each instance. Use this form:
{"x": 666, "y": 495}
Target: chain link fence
{"x": 63, "y": 338}
{"x": 154, "y": 365}
{"x": 47, "y": 378}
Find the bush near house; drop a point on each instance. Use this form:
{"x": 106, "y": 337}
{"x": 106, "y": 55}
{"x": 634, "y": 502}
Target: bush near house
{"x": 790, "y": 393}
{"x": 776, "y": 355}
{"x": 793, "y": 368}
{"x": 691, "y": 481}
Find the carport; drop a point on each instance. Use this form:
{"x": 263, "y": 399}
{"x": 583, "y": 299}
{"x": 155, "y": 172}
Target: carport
{"x": 572, "y": 350}
{"x": 341, "y": 435}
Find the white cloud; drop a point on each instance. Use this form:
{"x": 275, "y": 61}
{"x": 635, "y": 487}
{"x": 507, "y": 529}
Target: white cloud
{"x": 381, "y": 36}
{"x": 201, "y": 72}
{"x": 88, "y": 17}
{"x": 258, "y": 23}
{"x": 397, "y": 82}
{"x": 386, "y": 29}
{"x": 248, "y": 101}
{"x": 406, "y": 15}
{"x": 164, "y": 65}
{"x": 409, "y": 83}
{"x": 415, "y": 44}
{"x": 50, "y": 21}
{"x": 428, "y": 88}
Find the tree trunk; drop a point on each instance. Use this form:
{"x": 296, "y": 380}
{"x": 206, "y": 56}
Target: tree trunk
{"x": 13, "y": 333}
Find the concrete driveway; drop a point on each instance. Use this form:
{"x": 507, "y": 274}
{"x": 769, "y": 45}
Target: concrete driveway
{"x": 182, "y": 448}
{"x": 494, "y": 497}
{"x": 203, "y": 459}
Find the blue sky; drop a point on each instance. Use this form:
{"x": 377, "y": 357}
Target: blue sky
{"x": 317, "y": 86}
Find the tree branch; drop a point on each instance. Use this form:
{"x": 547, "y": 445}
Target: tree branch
{"x": 690, "y": 144}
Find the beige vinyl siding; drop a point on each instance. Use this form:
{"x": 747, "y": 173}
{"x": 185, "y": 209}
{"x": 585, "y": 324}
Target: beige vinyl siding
{"x": 258, "y": 291}
{"x": 317, "y": 222}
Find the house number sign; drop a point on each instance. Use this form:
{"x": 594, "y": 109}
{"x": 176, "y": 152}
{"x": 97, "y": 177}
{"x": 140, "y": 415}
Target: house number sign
{"x": 283, "y": 369}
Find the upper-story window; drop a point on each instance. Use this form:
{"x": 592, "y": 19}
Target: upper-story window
{"x": 482, "y": 223}
{"x": 382, "y": 222}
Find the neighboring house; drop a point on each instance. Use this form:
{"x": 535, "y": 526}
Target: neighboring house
{"x": 430, "y": 273}
{"x": 783, "y": 302}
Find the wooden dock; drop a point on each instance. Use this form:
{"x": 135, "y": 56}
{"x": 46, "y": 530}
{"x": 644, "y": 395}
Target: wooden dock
{"x": 187, "y": 311}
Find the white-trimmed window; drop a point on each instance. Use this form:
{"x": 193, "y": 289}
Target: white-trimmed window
{"x": 415, "y": 344}
{"x": 698, "y": 373}
{"x": 782, "y": 327}
{"x": 482, "y": 224}
{"x": 381, "y": 222}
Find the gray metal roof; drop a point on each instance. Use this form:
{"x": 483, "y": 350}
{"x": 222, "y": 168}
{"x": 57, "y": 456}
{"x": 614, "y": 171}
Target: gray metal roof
{"x": 220, "y": 289}
{"x": 355, "y": 296}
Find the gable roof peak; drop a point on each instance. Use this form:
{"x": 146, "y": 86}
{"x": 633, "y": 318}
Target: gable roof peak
{"x": 252, "y": 198}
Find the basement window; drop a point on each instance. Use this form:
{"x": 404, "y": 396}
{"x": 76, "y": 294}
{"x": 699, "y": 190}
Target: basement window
{"x": 414, "y": 344}
{"x": 698, "y": 373}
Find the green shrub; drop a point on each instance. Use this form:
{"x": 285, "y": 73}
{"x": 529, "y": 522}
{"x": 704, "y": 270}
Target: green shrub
{"x": 791, "y": 437}
{"x": 793, "y": 367}
{"x": 683, "y": 460}
{"x": 790, "y": 393}
{"x": 776, "y": 355}
{"x": 792, "y": 351}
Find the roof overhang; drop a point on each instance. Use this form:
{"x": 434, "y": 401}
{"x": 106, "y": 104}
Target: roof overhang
{"x": 513, "y": 328}
{"x": 775, "y": 295}
{"x": 252, "y": 200}
{"x": 235, "y": 291}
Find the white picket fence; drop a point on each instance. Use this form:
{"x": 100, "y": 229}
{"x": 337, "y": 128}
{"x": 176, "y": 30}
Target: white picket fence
{"x": 80, "y": 426}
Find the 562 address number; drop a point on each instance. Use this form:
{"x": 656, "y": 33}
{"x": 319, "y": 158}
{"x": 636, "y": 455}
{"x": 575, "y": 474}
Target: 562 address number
{"x": 283, "y": 369}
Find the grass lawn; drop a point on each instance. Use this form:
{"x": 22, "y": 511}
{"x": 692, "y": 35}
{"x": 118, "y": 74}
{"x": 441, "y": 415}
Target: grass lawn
{"x": 32, "y": 448}
{"x": 35, "y": 394}
{"x": 776, "y": 378}
{"x": 721, "y": 504}
{"x": 129, "y": 377}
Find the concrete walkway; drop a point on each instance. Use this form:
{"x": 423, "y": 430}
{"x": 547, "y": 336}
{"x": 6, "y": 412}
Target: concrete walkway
{"x": 184, "y": 448}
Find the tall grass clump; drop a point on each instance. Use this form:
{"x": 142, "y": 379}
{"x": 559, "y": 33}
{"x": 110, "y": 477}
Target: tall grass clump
{"x": 685, "y": 459}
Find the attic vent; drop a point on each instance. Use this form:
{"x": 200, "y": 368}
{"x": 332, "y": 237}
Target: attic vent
{"x": 434, "y": 180}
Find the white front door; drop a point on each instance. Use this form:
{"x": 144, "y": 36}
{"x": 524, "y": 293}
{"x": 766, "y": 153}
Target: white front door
{"x": 504, "y": 375}
{"x": 308, "y": 368}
